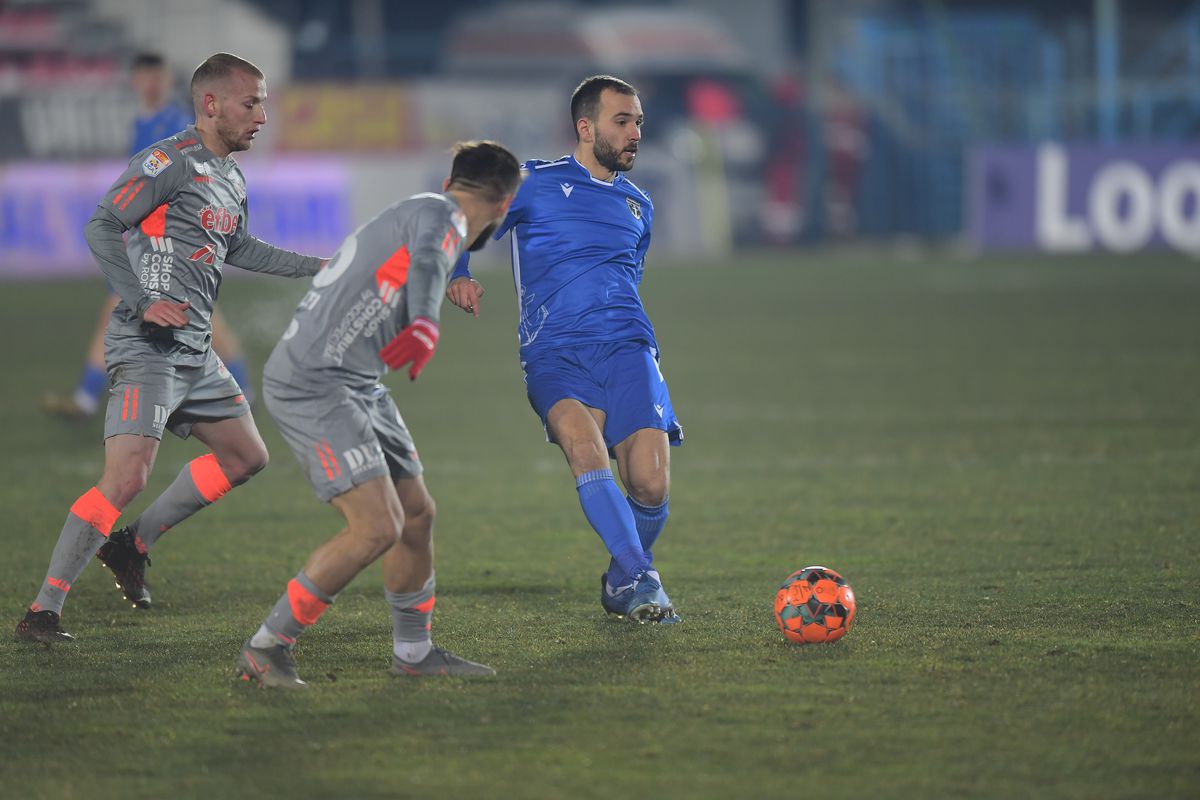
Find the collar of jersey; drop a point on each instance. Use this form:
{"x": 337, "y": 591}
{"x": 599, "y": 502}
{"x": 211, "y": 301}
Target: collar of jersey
{"x": 224, "y": 162}
{"x": 617, "y": 176}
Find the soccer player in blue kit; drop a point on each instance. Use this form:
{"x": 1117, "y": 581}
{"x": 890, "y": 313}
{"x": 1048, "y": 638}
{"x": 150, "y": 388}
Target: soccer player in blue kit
{"x": 580, "y": 232}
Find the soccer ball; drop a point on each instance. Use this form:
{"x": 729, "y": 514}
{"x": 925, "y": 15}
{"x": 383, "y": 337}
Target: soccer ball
{"x": 814, "y": 604}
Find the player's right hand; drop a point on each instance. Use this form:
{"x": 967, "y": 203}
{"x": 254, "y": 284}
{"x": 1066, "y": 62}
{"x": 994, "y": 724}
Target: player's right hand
{"x": 465, "y": 293}
{"x": 166, "y": 314}
{"x": 413, "y": 344}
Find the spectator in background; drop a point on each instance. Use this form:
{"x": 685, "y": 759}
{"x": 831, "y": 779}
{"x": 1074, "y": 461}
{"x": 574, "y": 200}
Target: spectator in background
{"x": 159, "y": 116}
{"x": 846, "y": 147}
{"x": 785, "y": 208}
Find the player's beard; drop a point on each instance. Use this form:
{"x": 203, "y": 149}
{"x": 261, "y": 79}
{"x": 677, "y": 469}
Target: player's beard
{"x": 609, "y": 157}
{"x": 233, "y": 138}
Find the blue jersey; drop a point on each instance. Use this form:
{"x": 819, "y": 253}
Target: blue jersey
{"x": 578, "y": 251}
{"x": 151, "y": 128}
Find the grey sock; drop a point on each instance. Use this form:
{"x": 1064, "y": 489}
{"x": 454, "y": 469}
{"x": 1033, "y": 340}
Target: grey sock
{"x": 297, "y": 608}
{"x": 76, "y": 545}
{"x": 412, "y": 612}
{"x": 178, "y": 502}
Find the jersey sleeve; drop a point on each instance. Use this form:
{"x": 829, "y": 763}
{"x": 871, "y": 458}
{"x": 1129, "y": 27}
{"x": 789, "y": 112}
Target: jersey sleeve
{"x": 150, "y": 180}
{"x": 462, "y": 268}
{"x": 251, "y": 253}
{"x": 147, "y": 183}
{"x": 435, "y": 243}
{"x": 520, "y": 204}
{"x": 103, "y": 233}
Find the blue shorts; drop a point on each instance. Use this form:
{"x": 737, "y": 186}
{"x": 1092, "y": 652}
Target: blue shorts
{"x": 622, "y": 379}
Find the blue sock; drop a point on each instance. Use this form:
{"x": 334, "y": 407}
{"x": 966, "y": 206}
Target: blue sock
{"x": 93, "y": 381}
{"x": 650, "y": 522}
{"x": 237, "y": 368}
{"x": 605, "y": 508}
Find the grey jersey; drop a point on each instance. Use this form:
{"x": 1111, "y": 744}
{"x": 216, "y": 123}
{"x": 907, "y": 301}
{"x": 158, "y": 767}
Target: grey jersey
{"x": 386, "y": 274}
{"x": 185, "y": 210}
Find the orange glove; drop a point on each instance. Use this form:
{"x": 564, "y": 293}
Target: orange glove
{"x": 413, "y": 344}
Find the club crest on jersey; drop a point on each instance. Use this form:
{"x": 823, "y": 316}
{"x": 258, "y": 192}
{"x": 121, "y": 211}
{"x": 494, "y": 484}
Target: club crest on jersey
{"x": 634, "y": 207}
{"x": 155, "y": 163}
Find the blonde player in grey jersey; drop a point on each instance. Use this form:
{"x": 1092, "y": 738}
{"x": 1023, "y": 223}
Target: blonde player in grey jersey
{"x": 183, "y": 202}
{"x": 374, "y": 308}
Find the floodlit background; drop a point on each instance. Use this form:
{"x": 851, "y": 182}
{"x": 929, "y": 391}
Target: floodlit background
{"x": 1062, "y": 126}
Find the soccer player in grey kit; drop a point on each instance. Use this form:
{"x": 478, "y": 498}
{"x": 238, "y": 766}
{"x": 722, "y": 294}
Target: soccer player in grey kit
{"x": 374, "y": 308}
{"x": 183, "y": 202}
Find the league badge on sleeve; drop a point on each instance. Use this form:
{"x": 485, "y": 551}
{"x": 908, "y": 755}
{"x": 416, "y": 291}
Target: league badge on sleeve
{"x": 155, "y": 163}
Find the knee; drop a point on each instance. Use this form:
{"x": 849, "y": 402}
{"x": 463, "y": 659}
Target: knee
{"x": 584, "y": 455}
{"x": 418, "y": 523}
{"x": 130, "y": 484}
{"x": 380, "y": 535}
{"x": 651, "y": 492}
{"x": 242, "y": 466}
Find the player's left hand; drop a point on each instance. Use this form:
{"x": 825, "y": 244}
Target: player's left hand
{"x": 465, "y": 293}
{"x": 414, "y": 344}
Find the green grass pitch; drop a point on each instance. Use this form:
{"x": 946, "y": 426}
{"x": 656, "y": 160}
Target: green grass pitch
{"x": 1001, "y": 455}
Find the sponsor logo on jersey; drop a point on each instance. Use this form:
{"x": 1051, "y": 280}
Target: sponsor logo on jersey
{"x": 204, "y": 255}
{"x": 155, "y": 266}
{"x": 155, "y": 163}
{"x": 635, "y": 208}
{"x": 659, "y": 409}
{"x": 567, "y": 189}
{"x": 459, "y": 220}
{"x": 219, "y": 220}
{"x": 362, "y": 319}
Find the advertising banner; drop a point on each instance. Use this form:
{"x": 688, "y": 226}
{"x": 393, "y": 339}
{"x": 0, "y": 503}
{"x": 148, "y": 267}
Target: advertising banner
{"x": 301, "y": 204}
{"x": 1078, "y": 199}
{"x": 397, "y": 119}
{"x": 307, "y": 204}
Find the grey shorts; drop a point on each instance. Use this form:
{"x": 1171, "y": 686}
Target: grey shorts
{"x": 342, "y": 437}
{"x": 160, "y": 384}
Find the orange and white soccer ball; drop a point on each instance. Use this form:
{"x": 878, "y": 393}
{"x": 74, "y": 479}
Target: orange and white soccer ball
{"x": 814, "y": 604}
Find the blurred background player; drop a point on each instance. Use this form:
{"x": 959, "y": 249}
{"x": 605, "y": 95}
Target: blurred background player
{"x": 580, "y": 232}
{"x": 375, "y": 308}
{"x": 186, "y": 196}
{"x": 159, "y": 116}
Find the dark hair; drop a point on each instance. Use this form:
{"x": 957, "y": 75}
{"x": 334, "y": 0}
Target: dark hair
{"x": 148, "y": 60}
{"x": 585, "y": 100}
{"x": 487, "y": 168}
{"x": 218, "y": 67}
